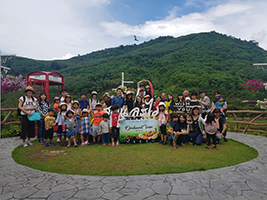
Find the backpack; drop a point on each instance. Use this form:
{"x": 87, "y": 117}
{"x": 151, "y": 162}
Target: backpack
{"x": 18, "y": 110}
{"x": 211, "y": 128}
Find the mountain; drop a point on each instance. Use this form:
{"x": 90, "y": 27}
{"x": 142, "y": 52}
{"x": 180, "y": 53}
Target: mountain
{"x": 208, "y": 61}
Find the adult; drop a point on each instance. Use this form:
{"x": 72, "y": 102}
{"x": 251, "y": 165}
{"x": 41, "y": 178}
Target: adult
{"x": 93, "y": 102}
{"x": 63, "y": 93}
{"x": 221, "y": 125}
{"x": 26, "y": 106}
{"x": 156, "y": 104}
{"x": 141, "y": 95}
{"x": 195, "y": 135}
{"x": 169, "y": 104}
{"x": 180, "y": 97}
{"x": 107, "y": 99}
{"x": 186, "y": 94}
{"x": 140, "y": 85}
{"x": 183, "y": 130}
{"x": 163, "y": 97}
{"x": 205, "y": 103}
{"x": 148, "y": 91}
{"x": 217, "y": 94}
{"x": 118, "y": 99}
{"x": 147, "y": 104}
{"x": 129, "y": 101}
{"x": 139, "y": 104}
{"x": 68, "y": 101}
{"x": 194, "y": 96}
{"x": 84, "y": 103}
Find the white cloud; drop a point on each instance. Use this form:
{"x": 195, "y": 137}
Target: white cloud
{"x": 65, "y": 57}
{"x": 259, "y": 36}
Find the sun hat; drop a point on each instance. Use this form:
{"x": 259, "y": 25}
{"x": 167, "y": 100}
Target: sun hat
{"x": 98, "y": 104}
{"x": 194, "y": 107}
{"x": 29, "y": 88}
{"x": 94, "y": 92}
{"x": 147, "y": 86}
{"x": 106, "y": 94}
{"x": 63, "y": 103}
{"x": 187, "y": 99}
{"x": 85, "y": 110}
{"x": 75, "y": 102}
{"x": 162, "y": 104}
{"x": 147, "y": 96}
{"x": 129, "y": 92}
{"x": 56, "y": 98}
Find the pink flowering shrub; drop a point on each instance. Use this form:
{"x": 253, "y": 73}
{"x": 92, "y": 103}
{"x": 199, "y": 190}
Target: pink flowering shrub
{"x": 253, "y": 85}
{"x": 12, "y": 84}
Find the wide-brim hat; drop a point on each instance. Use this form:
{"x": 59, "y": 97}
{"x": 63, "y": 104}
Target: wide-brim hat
{"x": 94, "y": 92}
{"x": 98, "y": 104}
{"x": 29, "y": 88}
{"x": 85, "y": 110}
{"x": 106, "y": 94}
{"x": 147, "y": 96}
{"x": 56, "y": 98}
{"x": 147, "y": 86}
{"x": 129, "y": 92}
{"x": 63, "y": 103}
{"x": 199, "y": 109}
{"x": 162, "y": 104}
{"x": 68, "y": 96}
{"x": 75, "y": 102}
{"x": 188, "y": 98}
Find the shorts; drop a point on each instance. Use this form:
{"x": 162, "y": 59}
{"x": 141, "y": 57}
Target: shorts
{"x": 70, "y": 132}
{"x": 27, "y": 128}
{"x": 115, "y": 132}
{"x": 95, "y": 131}
{"x": 59, "y": 131}
{"x": 163, "y": 129}
{"x": 49, "y": 134}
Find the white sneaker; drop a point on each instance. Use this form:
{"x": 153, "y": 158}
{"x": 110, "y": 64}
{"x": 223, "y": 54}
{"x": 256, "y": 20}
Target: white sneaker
{"x": 25, "y": 144}
{"x": 58, "y": 140}
{"x": 29, "y": 143}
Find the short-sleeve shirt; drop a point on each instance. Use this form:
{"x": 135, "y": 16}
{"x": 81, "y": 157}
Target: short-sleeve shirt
{"x": 43, "y": 106}
{"x": 206, "y": 99}
{"x": 175, "y": 126}
{"x": 83, "y": 104}
{"x": 56, "y": 107}
{"x": 162, "y": 117}
{"x": 71, "y": 121}
{"x": 49, "y": 121}
{"x": 98, "y": 117}
{"x": 27, "y": 104}
{"x": 105, "y": 126}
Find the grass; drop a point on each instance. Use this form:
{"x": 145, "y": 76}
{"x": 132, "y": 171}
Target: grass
{"x": 131, "y": 159}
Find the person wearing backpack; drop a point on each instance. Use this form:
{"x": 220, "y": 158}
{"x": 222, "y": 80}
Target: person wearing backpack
{"x": 27, "y": 104}
{"x": 43, "y": 106}
{"x": 211, "y": 129}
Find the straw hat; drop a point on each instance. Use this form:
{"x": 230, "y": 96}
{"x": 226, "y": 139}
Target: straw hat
{"x": 148, "y": 96}
{"x": 199, "y": 109}
{"x": 129, "y": 92}
{"x": 56, "y": 98}
{"x": 75, "y": 102}
{"x": 85, "y": 110}
{"x": 106, "y": 94}
{"x": 29, "y": 88}
{"x": 94, "y": 92}
{"x": 63, "y": 103}
{"x": 147, "y": 86}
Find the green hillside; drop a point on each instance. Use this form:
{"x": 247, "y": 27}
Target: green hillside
{"x": 207, "y": 61}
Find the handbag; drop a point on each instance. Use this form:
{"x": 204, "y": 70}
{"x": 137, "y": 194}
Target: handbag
{"x": 36, "y": 116}
{"x": 63, "y": 125}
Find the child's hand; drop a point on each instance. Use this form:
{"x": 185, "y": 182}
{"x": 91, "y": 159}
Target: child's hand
{"x": 80, "y": 129}
{"x": 46, "y": 129}
{"x": 219, "y": 134}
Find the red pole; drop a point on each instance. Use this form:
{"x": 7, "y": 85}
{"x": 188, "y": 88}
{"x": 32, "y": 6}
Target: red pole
{"x": 47, "y": 88}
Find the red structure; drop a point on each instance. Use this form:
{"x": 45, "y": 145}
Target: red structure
{"x": 40, "y": 81}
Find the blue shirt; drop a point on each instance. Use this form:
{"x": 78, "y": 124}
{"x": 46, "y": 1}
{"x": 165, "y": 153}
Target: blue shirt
{"x": 83, "y": 104}
{"x": 118, "y": 101}
{"x": 175, "y": 126}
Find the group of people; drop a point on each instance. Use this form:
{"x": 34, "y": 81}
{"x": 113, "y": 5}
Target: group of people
{"x": 188, "y": 116}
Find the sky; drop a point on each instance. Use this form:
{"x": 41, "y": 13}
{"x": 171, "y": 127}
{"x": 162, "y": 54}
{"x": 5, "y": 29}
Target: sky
{"x": 61, "y": 29}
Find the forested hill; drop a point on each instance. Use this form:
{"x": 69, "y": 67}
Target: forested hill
{"x": 207, "y": 61}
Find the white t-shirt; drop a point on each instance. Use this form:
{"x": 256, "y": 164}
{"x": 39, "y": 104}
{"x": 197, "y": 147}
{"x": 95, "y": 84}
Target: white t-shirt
{"x": 27, "y": 104}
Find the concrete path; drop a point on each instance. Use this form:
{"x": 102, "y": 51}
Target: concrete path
{"x": 243, "y": 181}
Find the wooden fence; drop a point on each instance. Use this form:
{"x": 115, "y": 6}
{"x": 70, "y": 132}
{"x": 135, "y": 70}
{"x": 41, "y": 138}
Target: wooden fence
{"x": 248, "y": 123}
{"x": 11, "y": 110}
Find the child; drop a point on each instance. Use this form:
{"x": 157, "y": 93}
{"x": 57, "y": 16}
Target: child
{"x": 102, "y": 101}
{"x": 49, "y": 123}
{"x": 42, "y": 106}
{"x": 189, "y": 121}
{"x": 56, "y": 104}
{"x": 98, "y": 117}
{"x": 220, "y": 104}
{"x": 104, "y": 128}
{"x": 68, "y": 101}
{"x": 85, "y": 127}
{"x": 77, "y": 114}
{"x": 162, "y": 119}
{"x": 115, "y": 120}
{"x": 93, "y": 102}
{"x": 69, "y": 115}
{"x": 156, "y": 104}
{"x": 63, "y": 93}
{"x": 211, "y": 129}
{"x": 174, "y": 130}
{"x": 61, "y": 122}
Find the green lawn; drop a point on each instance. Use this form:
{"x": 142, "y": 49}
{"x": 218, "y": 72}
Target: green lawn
{"x": 131, "y": 159}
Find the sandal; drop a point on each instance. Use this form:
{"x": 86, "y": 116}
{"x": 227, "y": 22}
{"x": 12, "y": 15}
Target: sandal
{"x": 208, "y": 148}
{"x": 183, "y": 145}
{"x": 215, "y": 147}
{"x": 175, "y": 146}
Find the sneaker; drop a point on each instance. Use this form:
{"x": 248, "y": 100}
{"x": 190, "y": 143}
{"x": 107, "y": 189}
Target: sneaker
{"x": 68, "y": 146}
{"x": 76, "y": 145}
{"x": 109, "y": 144}
{"x": 25, "y": 144}
{"x": 99, "y": 142}
{"x": 94, "y": 142}
{"x": 164, "y": 143}
{"x": 86, "y": 142}
{"x": 113, "y": 144}
{"x": 61, "y": 144}
{"x": 58, "y": 140}
{"x": 160, "y": 141}
{"x": 104, "y": 144}
{"x": 215, "y": 147}
{"x": 224, "y": 139}
{"x": 64, "y": 143}
{"x": 52, "y": 143}
{"x": 83, "y": 144}
{"x": 29, "y": 143}
{"x": 46, "y": 144}
{"x": 40, "y": 142}
{"x": 208, "y": 148}
{"x": 117, "y": 143}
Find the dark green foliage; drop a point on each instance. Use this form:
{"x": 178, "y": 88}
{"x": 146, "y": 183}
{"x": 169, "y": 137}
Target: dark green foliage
{"x": 208, "y": 61}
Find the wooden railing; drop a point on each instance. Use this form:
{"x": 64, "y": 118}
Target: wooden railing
{"x": 248, "y": 123}
{"x": 11, "y": 110}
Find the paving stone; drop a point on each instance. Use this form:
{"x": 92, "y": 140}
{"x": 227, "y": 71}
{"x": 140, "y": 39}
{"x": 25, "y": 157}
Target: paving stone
{"x": 258, "y": 185}
{"x": 220, "y": 185}
{"x": 112, "y": 195}
{"x": 63, "y": 187}
{"x": 41, "y": 194}
{"x": 254, "y": 195}
{"x": 62, "y": 195}
{"x": 25, "y": 192}
{"x": 89, "y": 194}
{"x": 6, "y": 195}
{"x": 138, "y": 184}
{"x": 157, "y": 197}
{"x": 144, "y": 193}
{"x": 128, "y": 191}
{"x": 131, "y": 197}
{"x": 233, "y": 191}
{"x": 33, "y": 181}
{"x": 180, "y": 190}
{"x": 116, "y": 186}
{"x": 47, "y": 184}
{"x": 161, "y": 188}
{"x": 200, "y": 193}
{"x": 13, "y": 188}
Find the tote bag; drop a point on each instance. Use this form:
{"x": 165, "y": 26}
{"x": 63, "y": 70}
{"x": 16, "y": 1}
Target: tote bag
{"x": 35, "y": 116}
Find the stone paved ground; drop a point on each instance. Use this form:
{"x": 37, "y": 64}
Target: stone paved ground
{"x": 243, "y": 181}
